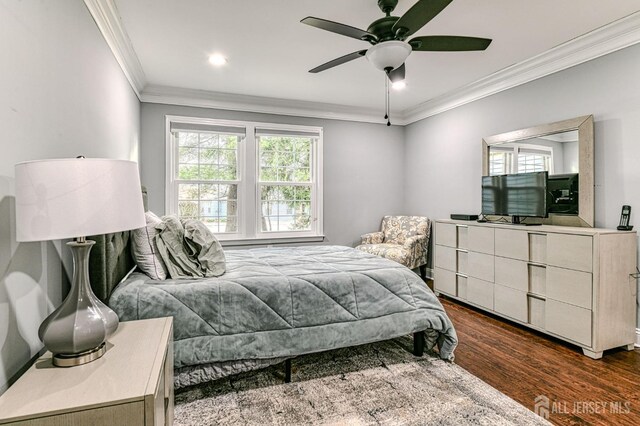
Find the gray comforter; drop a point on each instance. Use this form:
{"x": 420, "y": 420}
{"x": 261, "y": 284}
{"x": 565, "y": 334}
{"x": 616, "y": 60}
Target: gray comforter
{"x": 284, "y": 302}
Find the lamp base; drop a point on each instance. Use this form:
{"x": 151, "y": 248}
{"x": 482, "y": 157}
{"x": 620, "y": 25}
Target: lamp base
{"x": 76, "y": 332}
{"x": 72, "y": 360}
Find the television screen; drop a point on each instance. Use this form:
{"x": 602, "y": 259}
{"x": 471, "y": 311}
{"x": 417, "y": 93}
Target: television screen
{"x": 493, "y": 195}
{"x": 563, "y": 194}
{"x": 527, "y": 194}
{"x": 522, "y": 194}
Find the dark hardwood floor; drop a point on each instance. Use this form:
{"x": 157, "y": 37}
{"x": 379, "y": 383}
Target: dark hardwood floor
{"x": 524, "y": 364}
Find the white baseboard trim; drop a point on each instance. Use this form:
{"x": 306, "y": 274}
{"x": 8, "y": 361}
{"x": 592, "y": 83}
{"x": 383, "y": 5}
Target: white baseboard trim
{"x": 637, "y": 337}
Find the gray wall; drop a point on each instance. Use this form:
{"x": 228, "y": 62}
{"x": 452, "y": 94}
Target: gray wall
{"x": 443, "y": 153}
{"x": 63, "y": 94}
{"x": 363, "y": 166}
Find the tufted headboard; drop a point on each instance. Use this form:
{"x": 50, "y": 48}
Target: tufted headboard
{"x": 111, "y": 260}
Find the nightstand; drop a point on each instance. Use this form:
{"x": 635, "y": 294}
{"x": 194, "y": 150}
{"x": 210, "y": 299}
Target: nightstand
{"x": 132, "y": 384}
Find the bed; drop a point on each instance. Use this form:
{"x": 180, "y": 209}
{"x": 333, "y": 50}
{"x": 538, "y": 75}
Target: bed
{"x": 274, "y": 304}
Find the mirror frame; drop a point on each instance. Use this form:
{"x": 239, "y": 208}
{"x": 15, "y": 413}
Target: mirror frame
{"x": 584, "y": 126}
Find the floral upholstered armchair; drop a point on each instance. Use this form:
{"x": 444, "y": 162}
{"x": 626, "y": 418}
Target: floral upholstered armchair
{"x": 404, "y": 239}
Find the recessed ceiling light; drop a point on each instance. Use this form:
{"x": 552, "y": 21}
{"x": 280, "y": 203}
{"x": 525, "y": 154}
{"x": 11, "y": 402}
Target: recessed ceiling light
{"x": 217, "y": 59}
{"x": 399, "y": 85}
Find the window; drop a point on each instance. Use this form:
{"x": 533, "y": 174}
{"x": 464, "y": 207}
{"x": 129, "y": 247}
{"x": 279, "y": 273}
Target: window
{"x": 533, "y": 162}
{"x": 285, "y": 182}
{"x": 528, "y": 159}
{"x": 499, "y": 162}
{"x": 245, "y": 180}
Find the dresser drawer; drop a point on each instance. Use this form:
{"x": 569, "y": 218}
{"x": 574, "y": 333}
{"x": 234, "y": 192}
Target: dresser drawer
{"x": 481, "y": 266}
{"x": 568, "y": 321}
{"x": 446, "y": 234}
{"x": 480, "y": 292}
{"x": 569, "y": 286}
{"x": 463, "y": 262}
{"x": 512, "y": 243}
{"x": 511, "y": 303}
{"x": 512, "y": 273}
{"x": 463, "y": 236}
{"x": 445, "y": 281}
{"x": 481, "y": 239}
{"x": 570, "y": 251}
{"x": 446, "y": 258}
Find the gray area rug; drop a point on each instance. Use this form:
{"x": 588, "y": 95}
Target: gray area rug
{"x": 380, "y": 383}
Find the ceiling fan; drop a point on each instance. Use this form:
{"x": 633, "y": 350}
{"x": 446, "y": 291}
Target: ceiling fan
{"x": 388, "y": 37}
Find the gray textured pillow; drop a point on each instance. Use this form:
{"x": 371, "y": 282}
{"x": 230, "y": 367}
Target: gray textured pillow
{"x": 145, "y": 251}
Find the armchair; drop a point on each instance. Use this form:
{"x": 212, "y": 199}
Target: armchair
{"x": 404, "y": 239}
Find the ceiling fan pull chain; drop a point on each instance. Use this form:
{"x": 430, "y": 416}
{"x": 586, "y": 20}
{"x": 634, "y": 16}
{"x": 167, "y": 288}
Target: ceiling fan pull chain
{"x": 386, "y": 100}
{"x": 386, "y": 95}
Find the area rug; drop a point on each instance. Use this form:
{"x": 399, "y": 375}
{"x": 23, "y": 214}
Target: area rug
{"x": 380, "y": 383}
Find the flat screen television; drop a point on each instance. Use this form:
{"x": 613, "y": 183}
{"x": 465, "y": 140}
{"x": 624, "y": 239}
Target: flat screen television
{"x": 518, "y": 195}
{"x": 563, "y": 193}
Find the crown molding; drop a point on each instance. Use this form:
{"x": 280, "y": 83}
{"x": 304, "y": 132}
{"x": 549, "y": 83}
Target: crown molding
{"x": 617, "y": 35}
{"x": 227, "y": 101}
{"x": 105, "y": 13}
{"x": 607, "y": 39}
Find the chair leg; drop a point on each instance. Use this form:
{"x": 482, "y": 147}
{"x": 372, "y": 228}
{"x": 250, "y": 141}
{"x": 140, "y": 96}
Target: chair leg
{"x": 418, "y": 343}
{"x": 423, "y": 271}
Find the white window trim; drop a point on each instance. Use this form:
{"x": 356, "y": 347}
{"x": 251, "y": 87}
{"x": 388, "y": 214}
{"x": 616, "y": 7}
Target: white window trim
{"x": 248, "y": 199}
{"x": 515, "y": 149}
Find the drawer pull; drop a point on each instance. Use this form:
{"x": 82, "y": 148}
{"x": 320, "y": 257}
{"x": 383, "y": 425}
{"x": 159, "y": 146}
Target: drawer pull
{"x": 536, "y": 296}
{"x": 462, "y": 226}
{"x": 462, "y": 275}
{"x": 541, "y": 265}
{"x": 462, "y": 250}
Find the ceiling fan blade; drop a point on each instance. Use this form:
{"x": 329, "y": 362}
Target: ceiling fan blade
{"x": 416, "y": 17}
{"x": 338, "y": 28}
{"x": 339, "y": 61}
{"x": 449, "y": 43}
{"x": 397, "y": 74}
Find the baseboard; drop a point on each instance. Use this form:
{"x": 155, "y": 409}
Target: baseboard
{"x": 637, "y": 337}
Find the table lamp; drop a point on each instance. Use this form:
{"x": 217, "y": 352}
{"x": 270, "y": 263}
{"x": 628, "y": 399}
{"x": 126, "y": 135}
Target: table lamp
{"x": 73, "y": 198}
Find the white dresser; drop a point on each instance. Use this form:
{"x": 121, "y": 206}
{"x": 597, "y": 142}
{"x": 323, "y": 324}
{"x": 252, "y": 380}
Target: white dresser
{"x": 572, "y": 283}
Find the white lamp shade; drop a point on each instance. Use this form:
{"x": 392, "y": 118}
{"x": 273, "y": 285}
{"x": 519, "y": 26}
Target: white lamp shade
{"x": 388, "y": 54}
{"x": 70, "y": 198}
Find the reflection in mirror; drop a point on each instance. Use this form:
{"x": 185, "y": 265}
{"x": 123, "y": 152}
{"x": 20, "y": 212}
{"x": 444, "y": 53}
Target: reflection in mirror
{"x": 564, "y": 149}
{"x": 556, "y": 153}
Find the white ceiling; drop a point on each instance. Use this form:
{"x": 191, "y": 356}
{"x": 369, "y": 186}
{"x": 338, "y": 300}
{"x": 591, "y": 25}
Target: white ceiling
{"x": 270, "y": 51}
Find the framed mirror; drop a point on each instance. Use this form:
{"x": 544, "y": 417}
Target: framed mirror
{"x": 565, "y": 150}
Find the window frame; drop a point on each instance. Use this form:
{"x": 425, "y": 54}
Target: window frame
{"x": 249, "y": 209}
{"x": 514, "y": 150}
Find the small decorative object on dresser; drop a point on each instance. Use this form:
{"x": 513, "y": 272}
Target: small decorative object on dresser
{"x": 572, "y": 283}
{"x": 132, "y": 384}
{"x": 73, "y": 198}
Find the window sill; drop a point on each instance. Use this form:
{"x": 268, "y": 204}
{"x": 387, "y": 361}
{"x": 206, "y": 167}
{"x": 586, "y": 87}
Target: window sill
{"x": 271, "y": 241}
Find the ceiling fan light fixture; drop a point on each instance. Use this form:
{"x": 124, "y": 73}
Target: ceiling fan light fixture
{"x": 217, "y": 59}
{"x": 388, "y": 54}
{"x": 399, "y": 85}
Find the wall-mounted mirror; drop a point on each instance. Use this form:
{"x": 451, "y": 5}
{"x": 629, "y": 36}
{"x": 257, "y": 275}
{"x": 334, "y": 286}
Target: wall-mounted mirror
{"x": 565, "y": 150}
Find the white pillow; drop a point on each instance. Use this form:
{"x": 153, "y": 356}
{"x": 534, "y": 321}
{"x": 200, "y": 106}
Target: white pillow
{"x": 145, "y": 251}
